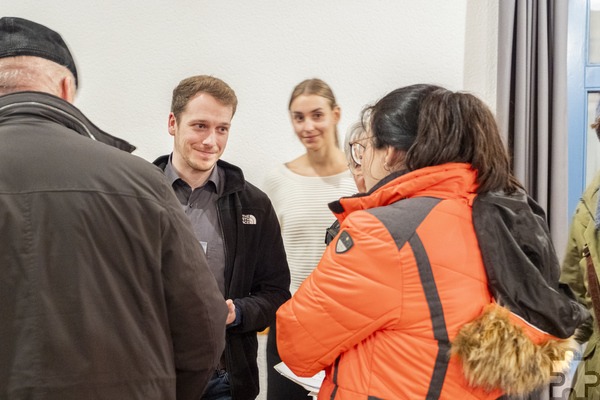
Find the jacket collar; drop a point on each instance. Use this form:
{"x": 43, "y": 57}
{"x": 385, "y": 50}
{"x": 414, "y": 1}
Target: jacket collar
{"x": 52, "y": 108}
{"x": 234, "y": 177}
{"x": 452, "y": 180}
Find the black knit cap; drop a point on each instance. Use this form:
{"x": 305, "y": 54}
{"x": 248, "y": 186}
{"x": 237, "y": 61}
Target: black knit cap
{"x": 21, "y": 37}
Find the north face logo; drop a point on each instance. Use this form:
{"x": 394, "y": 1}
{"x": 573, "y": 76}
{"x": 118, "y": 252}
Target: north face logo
{"x": 248, "y": 219}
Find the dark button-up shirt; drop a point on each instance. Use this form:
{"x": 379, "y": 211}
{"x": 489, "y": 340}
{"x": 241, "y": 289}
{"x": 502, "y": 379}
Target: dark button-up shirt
{"x": 200, "y": 205}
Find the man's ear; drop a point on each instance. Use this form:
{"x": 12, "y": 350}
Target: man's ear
{"x": 172, "y": 124}
{"x": 67, "y": 89}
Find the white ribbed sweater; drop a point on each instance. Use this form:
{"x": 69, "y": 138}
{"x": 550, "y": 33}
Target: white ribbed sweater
{"x": 301, "y": 206}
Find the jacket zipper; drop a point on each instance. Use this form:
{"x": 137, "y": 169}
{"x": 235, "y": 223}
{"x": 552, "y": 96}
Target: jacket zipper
{"x": 228, "y": 361}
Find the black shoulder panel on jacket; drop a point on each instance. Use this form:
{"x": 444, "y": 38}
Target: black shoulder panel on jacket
{"x": 414, "y": 211}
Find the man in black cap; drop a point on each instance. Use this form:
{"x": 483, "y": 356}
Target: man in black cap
{"x": 104, "y": 291}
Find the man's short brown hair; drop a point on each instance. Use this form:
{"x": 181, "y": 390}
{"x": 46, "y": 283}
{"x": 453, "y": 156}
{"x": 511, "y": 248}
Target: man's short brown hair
{"x": 193, "y": 85}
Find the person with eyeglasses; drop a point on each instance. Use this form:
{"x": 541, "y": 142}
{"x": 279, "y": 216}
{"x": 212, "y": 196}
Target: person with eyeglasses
{"x": 354, "y": 148}
{"x": 300, "y": 191}
{"x": 400, "y": 306}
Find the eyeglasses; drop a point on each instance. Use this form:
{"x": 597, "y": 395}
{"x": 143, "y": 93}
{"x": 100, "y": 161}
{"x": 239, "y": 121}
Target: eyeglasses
{"x": 357, "y": 150}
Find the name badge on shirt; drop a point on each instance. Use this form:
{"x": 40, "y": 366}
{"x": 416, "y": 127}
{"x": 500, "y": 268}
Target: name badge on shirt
{"x": 204, "y": 245}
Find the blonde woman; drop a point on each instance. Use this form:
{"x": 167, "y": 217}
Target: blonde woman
{"x": 300, "y": 191}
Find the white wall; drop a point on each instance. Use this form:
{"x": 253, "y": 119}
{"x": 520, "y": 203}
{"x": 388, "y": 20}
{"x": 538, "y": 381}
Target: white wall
{"x": 481, "y": 50}
{"x": 130, "y": 55}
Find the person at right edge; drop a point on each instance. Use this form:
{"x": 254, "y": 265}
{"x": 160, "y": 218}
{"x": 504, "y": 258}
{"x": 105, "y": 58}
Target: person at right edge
{"x": 584, "y": 239}
{"x": 442, "y": 282}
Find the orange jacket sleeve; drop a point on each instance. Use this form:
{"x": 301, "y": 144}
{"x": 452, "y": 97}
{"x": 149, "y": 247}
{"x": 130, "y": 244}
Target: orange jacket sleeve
{"x": 348, "y": 297}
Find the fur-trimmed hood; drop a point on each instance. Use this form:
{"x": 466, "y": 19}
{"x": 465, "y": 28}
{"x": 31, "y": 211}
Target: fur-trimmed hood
{"x": 496, "y": 352}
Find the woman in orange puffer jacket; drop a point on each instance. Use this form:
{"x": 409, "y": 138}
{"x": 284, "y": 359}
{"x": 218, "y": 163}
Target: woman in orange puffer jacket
{"x": 403, "y": 285}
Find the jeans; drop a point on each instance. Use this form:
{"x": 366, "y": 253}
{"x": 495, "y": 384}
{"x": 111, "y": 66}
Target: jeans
{"x": 218, "y": 387}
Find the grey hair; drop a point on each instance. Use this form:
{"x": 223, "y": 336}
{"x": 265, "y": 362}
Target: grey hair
{"x": 353, "y": 133}
{"x": 24, "y": 73}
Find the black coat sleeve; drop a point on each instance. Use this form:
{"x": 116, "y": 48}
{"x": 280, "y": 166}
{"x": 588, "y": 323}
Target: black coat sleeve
{"x": 195, "y": 306}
